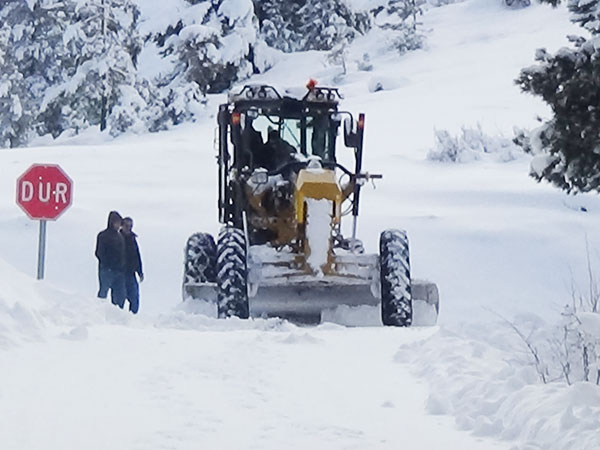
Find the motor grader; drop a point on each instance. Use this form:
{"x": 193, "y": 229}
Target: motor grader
{"x": 282, "y": 196}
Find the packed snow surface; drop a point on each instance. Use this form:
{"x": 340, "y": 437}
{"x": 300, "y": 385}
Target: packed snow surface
{"x": 82, "y": 374}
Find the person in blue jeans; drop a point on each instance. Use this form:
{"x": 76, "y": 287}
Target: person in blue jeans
{"x": 110, "y": 251}
{"x": 133, "y": 265}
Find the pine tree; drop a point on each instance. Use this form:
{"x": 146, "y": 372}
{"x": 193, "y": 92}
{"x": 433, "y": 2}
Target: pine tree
{"x": 32, "y": 62}
{"x": 585, "y": 13}
{"x": 101, "y": 44}
{"x": 15, "y": 121}
{"x": 294, "y": 25}
{"x": 567, "y": 147}
{"x": 49, "y": 61}
{"x": 399, "y": 18}
{"x": 209, "y": 51}
{"x": 328, "y": 22}
{"x": 15, "y": 96}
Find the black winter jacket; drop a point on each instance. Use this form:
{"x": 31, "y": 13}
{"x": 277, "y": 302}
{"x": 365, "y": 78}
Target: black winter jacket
{"x": 133, "y": 260}
{"x": 110, "y": 248}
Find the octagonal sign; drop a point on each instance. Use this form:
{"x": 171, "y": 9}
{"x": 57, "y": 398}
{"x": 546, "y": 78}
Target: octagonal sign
{"x": 44, "y": 191}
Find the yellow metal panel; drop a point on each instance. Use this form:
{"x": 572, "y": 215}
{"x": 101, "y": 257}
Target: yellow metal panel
{"x": 319, "y": 184}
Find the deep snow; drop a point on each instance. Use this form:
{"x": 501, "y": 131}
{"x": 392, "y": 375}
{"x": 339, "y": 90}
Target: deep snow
{"x": 83, "y": 374}
{"x": 267, "y": 387}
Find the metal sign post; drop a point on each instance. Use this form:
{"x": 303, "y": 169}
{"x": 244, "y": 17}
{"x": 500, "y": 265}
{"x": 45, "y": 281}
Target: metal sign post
{"x": 41, "y": 250}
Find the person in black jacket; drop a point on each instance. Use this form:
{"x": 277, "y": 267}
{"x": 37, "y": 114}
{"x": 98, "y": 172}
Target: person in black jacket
{"x": 133, "y": 265}
{"x": 110, "y": 251}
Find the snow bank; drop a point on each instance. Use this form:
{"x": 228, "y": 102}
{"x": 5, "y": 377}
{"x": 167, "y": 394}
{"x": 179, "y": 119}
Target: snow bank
{"x": 472, "y": 144}
{"x": 492, "y": 392}
{"x": 32, "y": 311}
{"x": 19, "y": 302}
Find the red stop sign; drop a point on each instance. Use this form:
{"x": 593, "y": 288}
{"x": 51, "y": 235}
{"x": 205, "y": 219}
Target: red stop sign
{"x": 44, "y": 191}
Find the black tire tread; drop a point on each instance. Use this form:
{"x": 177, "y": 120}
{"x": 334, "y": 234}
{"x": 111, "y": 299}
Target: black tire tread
{"x": 394, "y": 260}
{"x": 200, "y": 259}
{"x": 232, "y": 274}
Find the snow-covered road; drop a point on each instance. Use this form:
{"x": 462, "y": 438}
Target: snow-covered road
{"x": 275, "y": 386}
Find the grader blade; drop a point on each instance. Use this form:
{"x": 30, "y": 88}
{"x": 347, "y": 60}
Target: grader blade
{"x": 308, "y": 298}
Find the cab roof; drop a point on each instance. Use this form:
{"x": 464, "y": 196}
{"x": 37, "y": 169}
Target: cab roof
{"x": 261, "y": 94}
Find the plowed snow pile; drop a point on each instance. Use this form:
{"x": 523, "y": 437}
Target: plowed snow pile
{"x": 30, "y": 311}
{"x": 495, "y": 391}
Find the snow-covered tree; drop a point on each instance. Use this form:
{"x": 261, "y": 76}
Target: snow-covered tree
{"x": 38, "y": 53}
{"x": 66, "y": 65}
{"x": 585, "y": 13}
{"x": 101, "y": 44}
{"x": 400, "y": 19}
{"x": 567, "y": 147}
{"x": 209, "y": 48}
{"x": 15, "y": 97}
{"x": 31, "y": 53}
{"x": 49, "y": 59}
{"x": 294, "y": 25}
{"x": 46, "y": 57}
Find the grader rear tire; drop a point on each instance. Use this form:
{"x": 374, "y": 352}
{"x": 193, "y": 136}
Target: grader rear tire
{"x": 200, "y": 259}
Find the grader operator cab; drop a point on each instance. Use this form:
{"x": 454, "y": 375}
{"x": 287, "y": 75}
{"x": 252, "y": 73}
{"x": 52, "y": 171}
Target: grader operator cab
{"x": 282, "y": 197}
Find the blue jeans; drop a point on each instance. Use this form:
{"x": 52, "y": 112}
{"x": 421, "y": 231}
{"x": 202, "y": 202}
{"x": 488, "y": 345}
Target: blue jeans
{"x": 132, "y": 290}
{"x": 115, "y": 281}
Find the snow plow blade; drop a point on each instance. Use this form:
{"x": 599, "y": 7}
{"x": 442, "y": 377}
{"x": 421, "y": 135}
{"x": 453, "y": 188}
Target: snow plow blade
{"x": 427, "y": 292}
{"x": 310, "y": 299}
{"x": 306, "y": 300}
{"x": 293, "y": 300}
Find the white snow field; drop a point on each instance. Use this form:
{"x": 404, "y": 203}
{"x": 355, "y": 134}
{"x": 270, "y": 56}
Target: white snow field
{"x": 78, "y": 373}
